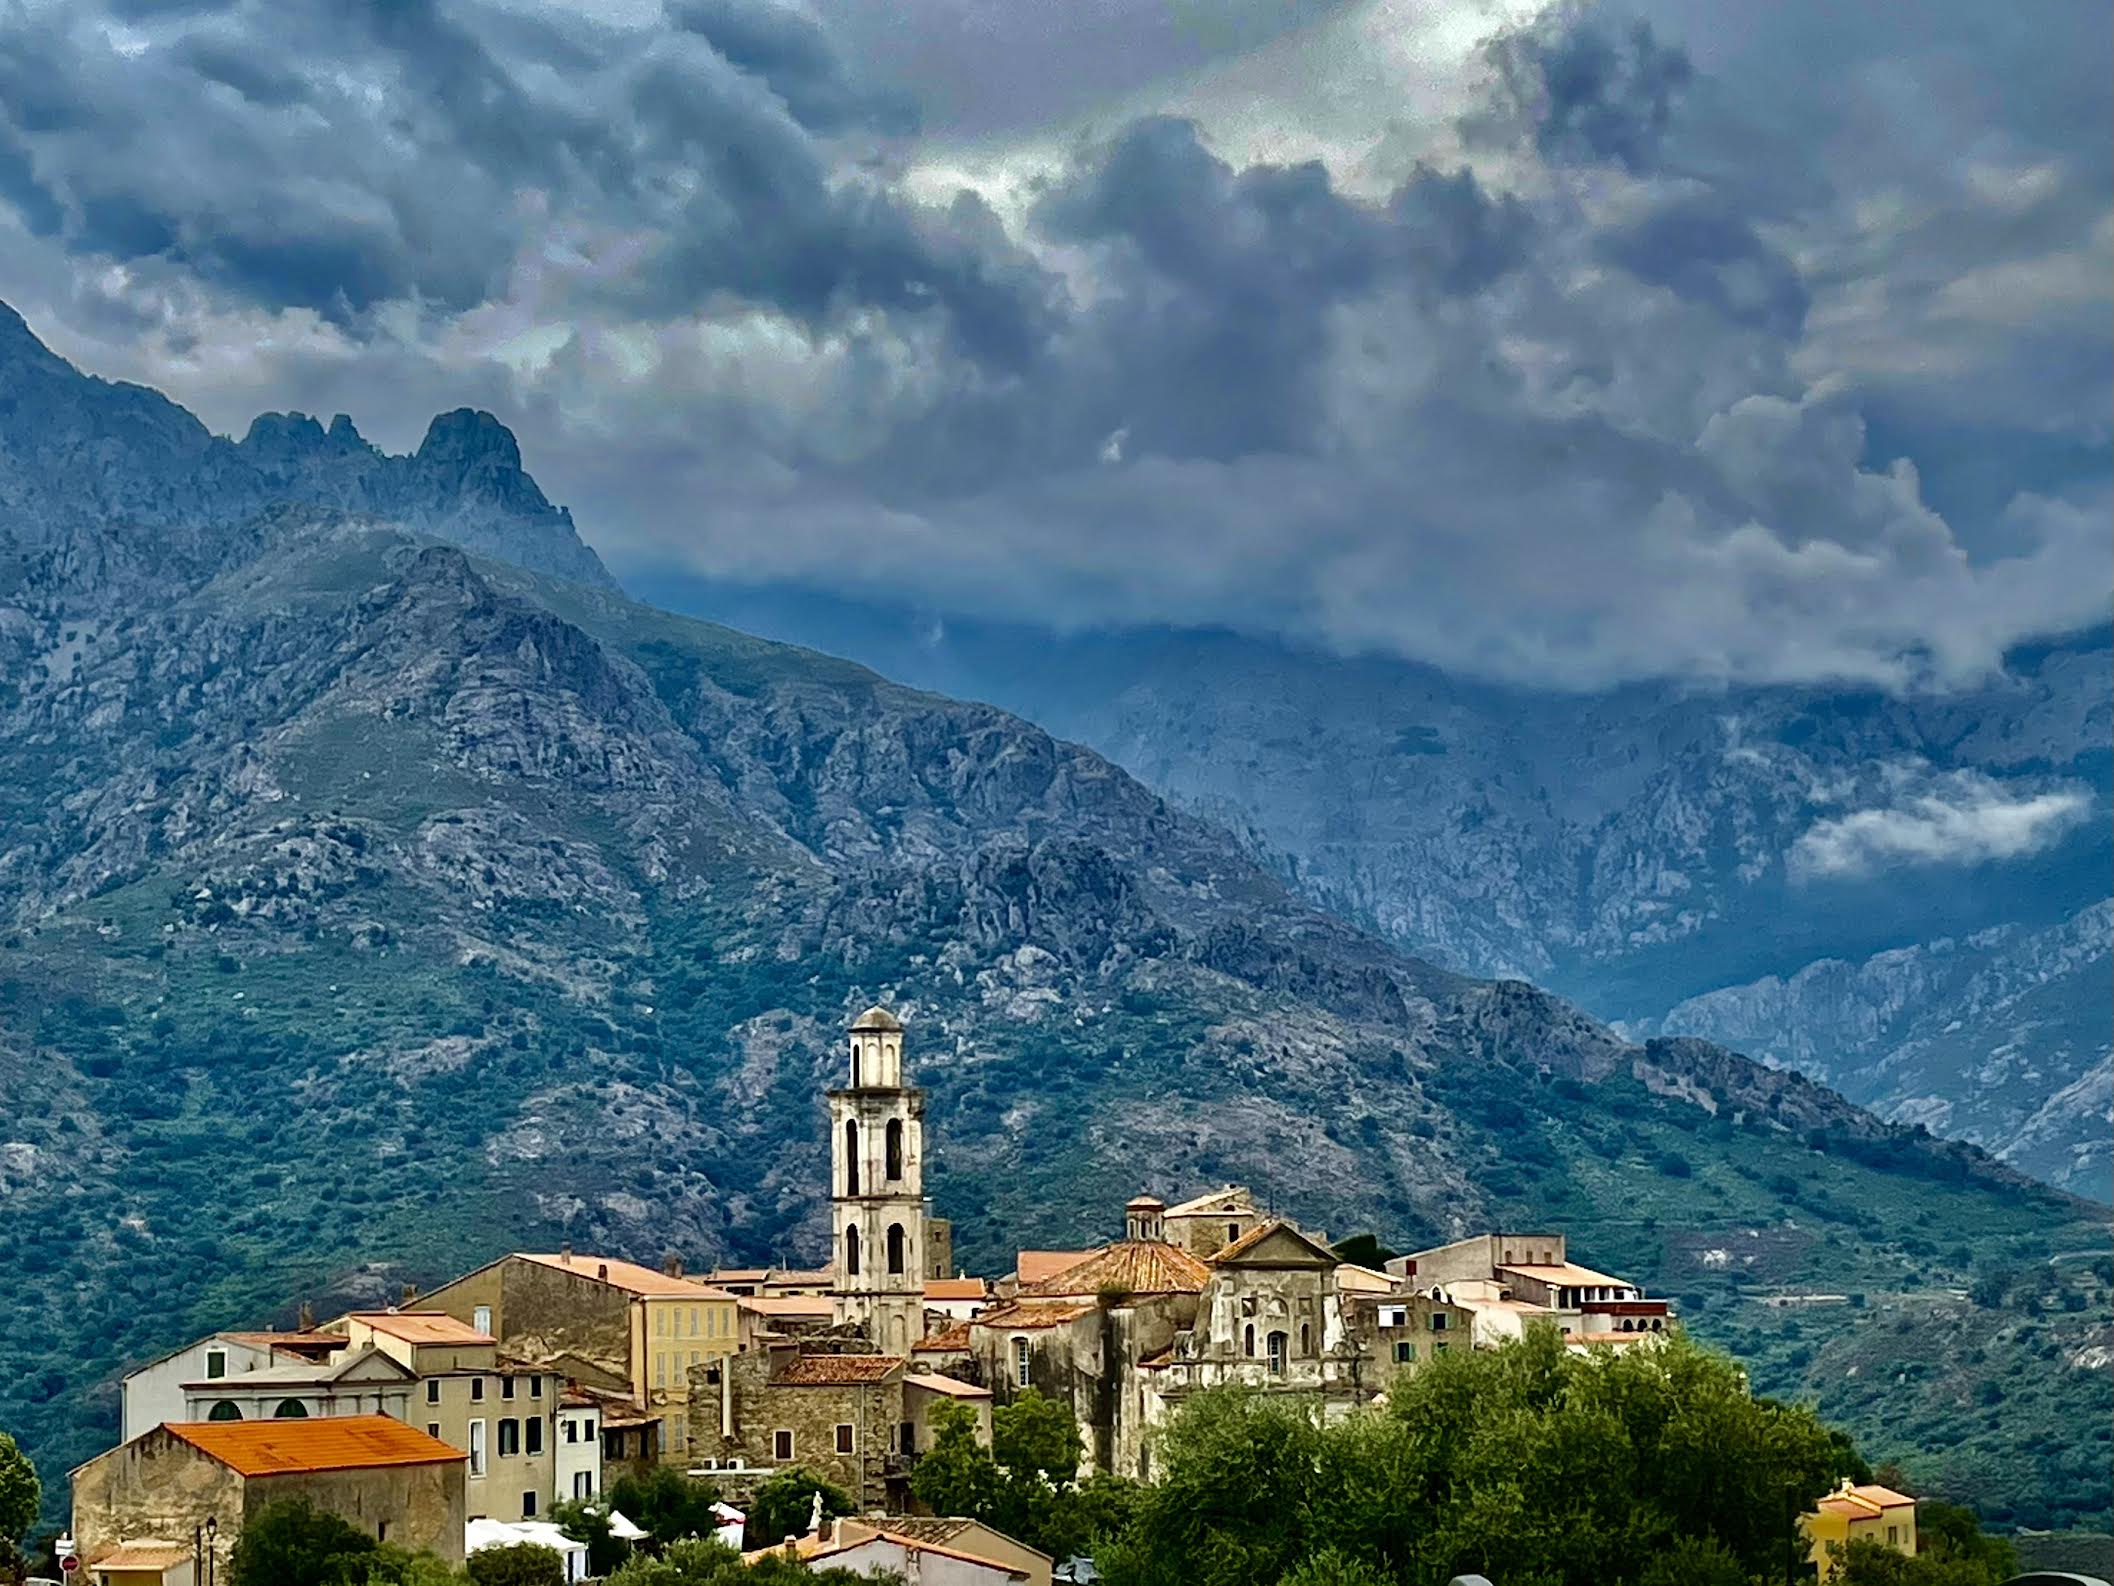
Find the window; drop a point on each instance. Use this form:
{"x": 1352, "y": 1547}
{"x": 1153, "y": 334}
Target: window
{"x": 433, "y": 1430}
{"x": 536, "y": 1387}
{"x": 1021, "y": 1357}
{"x": 1306, "y": 1339}
{"x": 583, "y": 1484}
{"x": 572, "y": 1431}
{"x": 1276, "y": 1346}
{"x": 528, "y": 1505}
{"x": 1248, "y": 1340}
{"x": 660, "y": 1371}
{"x": 907, "y": 1438}
{"x": 587, "y": 1430}
{"x": 381, "y": 1530}
{"x": 1405, "y": 1351}
{"x": 216, "y": 1362}
{"x": 894, "y": 1152}
{"x": 481, "y": 1319}
{"x": 532, "y": 1431}
{"x": 509, "y": 1438}
{"x": 660, "y": 1321}
{"x": 1439, "y": 1320}
{"x": 476, "y": 1449}
{"x": 844, "y": 1437}
{"x": 506, "y": 1387}
{"x": 225, "y": 1410}
{"x": 855, "y": 1065}
{"x": 1438, "y": 1349}
{"x": 781, "y": 1445}
{"x": 290, "y": 1410}
{"x": 851, "y": 1251}
{"x": 895, "y": 1248}
{"x": 693, "y": 1321}
{"x": 1893, "y": 1535}
{"x": 1233, "y": 1232}
{"x": 851, "y": 1156}
{"x": 433, "y": 1390}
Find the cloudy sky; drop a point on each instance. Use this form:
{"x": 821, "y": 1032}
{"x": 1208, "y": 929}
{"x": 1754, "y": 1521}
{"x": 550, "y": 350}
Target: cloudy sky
{"x": 1567, "y": 345}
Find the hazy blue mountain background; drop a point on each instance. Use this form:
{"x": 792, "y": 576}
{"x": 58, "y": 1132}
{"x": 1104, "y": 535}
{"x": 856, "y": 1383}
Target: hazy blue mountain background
{"x": 1639, "y": 850}
{"x": 370, "y": 904}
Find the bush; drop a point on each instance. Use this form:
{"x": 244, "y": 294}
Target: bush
{"x": 784, "y": 1504}
{"x": 524, "y": 1564}
{"x": 293, "y": 1543}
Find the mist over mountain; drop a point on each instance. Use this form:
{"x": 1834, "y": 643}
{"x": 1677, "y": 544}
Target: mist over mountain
{"x": 1659, "y": 854}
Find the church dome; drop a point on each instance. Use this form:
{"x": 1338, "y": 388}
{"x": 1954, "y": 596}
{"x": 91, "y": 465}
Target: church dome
{"x": 877, "y": 1018}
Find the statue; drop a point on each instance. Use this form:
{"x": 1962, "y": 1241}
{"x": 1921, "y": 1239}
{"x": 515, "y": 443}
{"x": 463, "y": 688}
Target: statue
{"x": 814, "y": 1518}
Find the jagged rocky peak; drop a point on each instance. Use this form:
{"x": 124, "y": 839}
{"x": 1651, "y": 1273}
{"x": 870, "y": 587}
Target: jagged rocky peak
{"x": 470, "y": 436}
{"x": 297, "y": 434}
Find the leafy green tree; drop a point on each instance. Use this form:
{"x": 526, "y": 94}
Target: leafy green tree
{"x": 1693, "y": 1562}
{"x": 1364, "y": 1250}
{"x": 1331, "y": 1568}
{"x": 666, "y": 1504}
{"x": 524, "y": 1564}
{"x": 1865, "y": 1563}
{"x": 696, "y": 1563}
{"x": 587, "y": 1520}
{"x": 957, "y": 1475}
{"x": 784, "y": 1502}
{"x": 293, "y": 1543}
{"x": 1026, "y": 1483}
{"x": 389, "y": 1565}
{"x": 1529, "y": 1464}
{"x": 1952, "y": 1531}
{"x": 20, "y": 1493}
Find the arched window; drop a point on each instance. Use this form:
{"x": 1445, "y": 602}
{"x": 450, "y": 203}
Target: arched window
{"x": 895, "y": 1247}
{"x": 851, "y": 1252}
{"x": 851, "y": 1156}
{"x": 290, "y": 1410}
{"x": 1248, "y": 1340}
{"x": 855, "y": 1065}
{"x": 894, "y": 1140}
{"x": 225, "y": 1410}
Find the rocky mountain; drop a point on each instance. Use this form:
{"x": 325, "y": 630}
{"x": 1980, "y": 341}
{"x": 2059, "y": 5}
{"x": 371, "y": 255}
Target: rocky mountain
{"x": 370, "y": 906}
{"x": 1641, "y": 850}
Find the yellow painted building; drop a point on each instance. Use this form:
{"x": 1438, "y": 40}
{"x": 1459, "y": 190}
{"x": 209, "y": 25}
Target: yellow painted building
{"x": 1859, "y": 1513}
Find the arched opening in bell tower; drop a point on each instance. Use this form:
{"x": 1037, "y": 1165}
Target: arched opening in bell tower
{"x": 895, "y": 1249}
{"x": 851, "y": 1156}
{"x": 894, "y": 1152}
{"x": 851, "y": 1252}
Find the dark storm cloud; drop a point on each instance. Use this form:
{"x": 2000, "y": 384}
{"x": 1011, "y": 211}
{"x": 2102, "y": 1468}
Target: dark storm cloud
{"x": 791, "y": 52}
{"x": 1583, "y": 86}
{"x": 1699, "y": 248}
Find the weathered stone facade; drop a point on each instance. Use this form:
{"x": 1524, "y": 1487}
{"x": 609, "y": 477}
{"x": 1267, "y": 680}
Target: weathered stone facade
{"x": 829, "y": 1405}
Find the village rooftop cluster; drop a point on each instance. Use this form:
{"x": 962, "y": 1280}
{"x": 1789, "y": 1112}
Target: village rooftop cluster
{"x": 457, "y": 1418}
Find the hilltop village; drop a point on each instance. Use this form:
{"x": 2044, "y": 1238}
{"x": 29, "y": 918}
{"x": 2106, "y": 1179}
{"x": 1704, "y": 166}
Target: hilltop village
{"x": 472, "y": 1409}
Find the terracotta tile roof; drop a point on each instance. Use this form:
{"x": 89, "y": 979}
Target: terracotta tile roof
{"x": 739, "y": 1274}
{"x": 335, "y": 1442}
{"x": 939, "y": 1528}
{"x": 788, "y": 1304}
{"x": 421, "y": 1327}
{"x": 1202, "y": 1205}
{"x": 304, "y": 1342}
{"x": 947, "y": 1341}
{"x": 1567, "y": 1274}
{"x": 915, "y": 1545}
{"x": 957, "y": 1289}
{"x": 1027, "y": 1316}
{"x": 1036, "y": 1265}
{"x": 629, "y": 1276}
{"x": 143, "y": 1554}
{"x": 1143, "y": 1266}
{"x": 835, "y": 1371}
{"x": 1867, "y": 1498}
{"x": 933, "y": 1382}
{"x": 1255, "y": 1236}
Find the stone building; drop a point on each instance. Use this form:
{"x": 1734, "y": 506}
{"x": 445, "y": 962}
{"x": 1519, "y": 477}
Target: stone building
{"x": 878, "y": 1215}
{"x": 161, "y": 1389}
{"x": 632, "y": 1325}
{"x": 1513, "y": 1281}
{"x": 1399, "y": 1332}
{"x": 360, "y": 1381}
{"x": 387, "y": 1479}
{"x": 1206, "y": 1225}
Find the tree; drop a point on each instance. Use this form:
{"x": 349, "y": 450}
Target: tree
{"x": 20, "y": 1493}
{"x": 666, "y": 1504}
{"x": 524, "y": 1564}
{"x": 785, "y": 1501}
{"x": 1528, "y": 1464}
{"x": 1364, "y": 1250}
{"x": 587, "y": 1520}
{"x": 1953, "y": 1531}
{"x": 293, "y": 1543}
{"x": 1865, "y": 1563}
{"x": 1026, "y": 1483}
{"x": 957, "y": 1475}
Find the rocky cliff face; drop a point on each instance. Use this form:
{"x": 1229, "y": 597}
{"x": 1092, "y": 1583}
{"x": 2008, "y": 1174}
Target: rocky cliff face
{"x": 370, "y": 906}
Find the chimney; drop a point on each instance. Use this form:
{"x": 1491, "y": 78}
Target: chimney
{"x": 305, "y": 1320}
{"x": 408, "y": 1293}
{"x": 602, "y": 1270}
{"x": 672, "y": 1265}
{"x": 565, "y": 1253}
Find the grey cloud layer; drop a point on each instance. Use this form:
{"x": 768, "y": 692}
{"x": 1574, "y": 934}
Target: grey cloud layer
{"x": 1603, "y": 408}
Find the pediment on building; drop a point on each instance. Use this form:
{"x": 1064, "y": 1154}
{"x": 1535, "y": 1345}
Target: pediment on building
{"x": 1276, "y": 1244}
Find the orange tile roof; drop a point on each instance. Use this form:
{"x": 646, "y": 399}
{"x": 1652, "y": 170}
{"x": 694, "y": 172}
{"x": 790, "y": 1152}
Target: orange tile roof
{"x": 957, "y": 1289}
{"x": 422, "y": 1327}
{"x": 788, "y": 1304}
{"x": 299, "y": 1341}
{"x": 1027, "y": 1316}
{"x": 332, "y": 1442}
{"x": 1036, "y": 1265}
{"x": 933, "y": 1382}
{"x": 1142, "y": 1266}
{"x": 1865, "y": 1498}
{"x": 144, "y": 1554}
{"x": 1566, "y": 1274}
{"x": 947, "y": 1341}
{"x": 628, "y": 1275}
{"x": 835, "y": 1371}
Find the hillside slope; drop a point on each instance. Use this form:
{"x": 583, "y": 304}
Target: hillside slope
{"x": 372, "y": 908}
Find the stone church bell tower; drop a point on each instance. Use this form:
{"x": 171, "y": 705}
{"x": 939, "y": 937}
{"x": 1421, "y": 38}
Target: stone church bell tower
{"x": 877, "y": 1188}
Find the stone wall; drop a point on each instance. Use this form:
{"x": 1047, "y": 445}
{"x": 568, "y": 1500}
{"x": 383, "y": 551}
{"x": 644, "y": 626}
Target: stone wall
{"x": 761, "y": 1409}
{"x": 154, "y": 1486}
{"x": 419, "y": 1507}
{"x": 539, "y": 1311}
